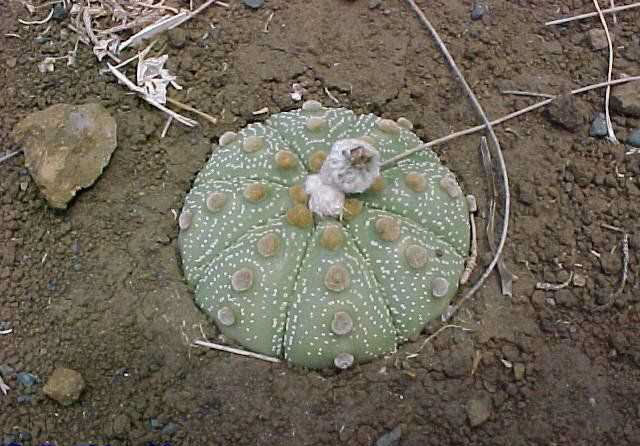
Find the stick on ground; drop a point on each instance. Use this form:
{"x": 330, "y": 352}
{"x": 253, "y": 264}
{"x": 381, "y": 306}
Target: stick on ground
{"x": 592, "y": 14}
{"x": 494, "y": 139}
{"x": 237, "y": 351}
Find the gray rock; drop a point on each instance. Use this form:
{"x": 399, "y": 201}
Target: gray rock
{"x": 6, "y": 371}
{"x": 634, "y": 138}
{"x": 64, "y": 386}
{"x": 254, "y": 4}
{"x": 28, "y": 381}
{"x": 373, "y": 4}
{"x": 66, "y": 148}
{"x": 625, "y": 99}
{"x": 479, "y": 10}
{"x": 390, "y": 438}
{"x": 170, "y": 428}
{"x": 599, "y": 125}
{"x": 564, "y": 112}
{"x": 598, "y": 39}
{"x": 478, "y": 411}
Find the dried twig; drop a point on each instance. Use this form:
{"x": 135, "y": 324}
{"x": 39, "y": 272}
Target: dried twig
{"x": 392, "y": 161}
{"x": 506, "y": 277}
{"x": 237, "y": 351}
{"x": 9, "y": 156}
{"x": 625, "y": 268}
{"x": 473, "y": 257}
{"x": 266, "y": 25}
{"x": 165, "y": 129}
{"x": 592, "y": 14}
{"x": 37, "y": 22}
{"x": 4, "y": 388}
{"x": 496, "y": 143}
{"x": 615, "y": 16}
{"x": 332, "y": 97}
{"x": 610, "y": 133}
{"x": 433, "y": 335}
{"x": 528, "y": 93}
{"x": 545, "y": 286}
{"x": 204, "y": 115}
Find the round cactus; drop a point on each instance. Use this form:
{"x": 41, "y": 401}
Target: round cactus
{"x": 322, "y": 291}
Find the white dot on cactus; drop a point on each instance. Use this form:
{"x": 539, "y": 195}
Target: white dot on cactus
{"x": 226, "y": 316}
{"x": 242, "y": 280}
{"x": 227, "y": 138}
{"x": 405, "y": 123}
{"x": 253, "y": 144}
{"x": 417, "y": 256}
{"x": 268, "y": 244}
{"x": 439, "y": 287}
{"x": 388, "y": 126}
{"x": 342, "y": 324}
{"x": 337, "y": 278}
{"x": 316, "y": 123}
{"x": 343, "y": 360}
{"x": 185, "y": 219}
{"x": 311, "y": 105}
{"x": 216, "y": 201}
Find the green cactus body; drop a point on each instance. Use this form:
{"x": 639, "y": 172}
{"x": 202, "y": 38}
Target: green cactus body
{"x": 320, "y": 292}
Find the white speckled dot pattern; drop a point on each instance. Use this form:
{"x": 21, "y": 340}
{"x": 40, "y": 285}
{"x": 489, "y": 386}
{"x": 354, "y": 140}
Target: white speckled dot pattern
{"x": 288, "y": 311}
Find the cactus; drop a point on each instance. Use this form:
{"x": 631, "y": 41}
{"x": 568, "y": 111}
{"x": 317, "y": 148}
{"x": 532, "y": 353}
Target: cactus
{"x": 322, "y": 291}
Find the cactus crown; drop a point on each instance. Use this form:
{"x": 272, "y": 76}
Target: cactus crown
{"x": 284, "y": 281}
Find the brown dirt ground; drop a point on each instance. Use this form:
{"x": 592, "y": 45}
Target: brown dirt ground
{"x": 109, "y": 300}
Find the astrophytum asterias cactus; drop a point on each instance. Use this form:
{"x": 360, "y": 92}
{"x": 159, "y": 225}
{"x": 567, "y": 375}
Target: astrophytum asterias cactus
{"x": 322, "y": 291}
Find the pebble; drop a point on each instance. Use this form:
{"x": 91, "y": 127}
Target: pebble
{"x": 598, "y": 39}
{"x": 478, "y": 11}
{"x": 155, "y": 424}
{"x": 59, "y": 12}
{"x": 6, "y": 371}
{"x": 373, "y": 4}
{"x": 634, "y": 138}
{"x": 390, "y": 438}
{"x": 28, "y": 380}
{"x": 254, "y": 4}
{"x": 478, "y": 411}
{"x": 518, "y": 371}
{"x": 64, "y": 386}
{"x": 170, "y": 428}
{"x": 599, "y": 125}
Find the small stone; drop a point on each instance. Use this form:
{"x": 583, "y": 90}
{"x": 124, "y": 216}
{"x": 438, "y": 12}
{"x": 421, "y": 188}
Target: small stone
{"x": 598, "y": 39}
{"x": 253, "y": 4}
{"x": 390, "y": 438}
{"x": 405, "y": 123}
{"x": 478, "y": 411}
{"x": 439, "y": 287}
{"x": 64, "y": 386}
{"x": 27, "y": 380}
{"x": 478, "y": 10}
{"x": 373, "y": 4}
{"x": 59, "y": 12}
{"x": 227, "y": 138}
{"x": 170, "y": 428}
{"x": 66, "y": 148}
{"x": 579, "y": 280}
{"x": 342, "y": 324}
{"x": 11, "y": 62}
{"x": 6, "y": 371}
{"x": 518, "y": 371}
{"x": 177, "y": 37}
{"x": 343, "y": 361}
{"x": 387, "y": 126}
{"x": 155, "y": 424}
{"x": 337, "y": 278}
{"x": 625, "y": 99}
{"x": 388, "y": 228}
{"x": 634, "y": 138}
{"x": 185, "y": 220}
{"x": 599, "y": 125}
{"x": 563, "y": 112}
{"x": 311, "y": 106}
{"x": 242, "y": 280}
{"x": 226, "y": 316}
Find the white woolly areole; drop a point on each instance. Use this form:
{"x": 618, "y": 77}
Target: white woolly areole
{"x": 324, "y": 200}
{"x": 351, "y": 166}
